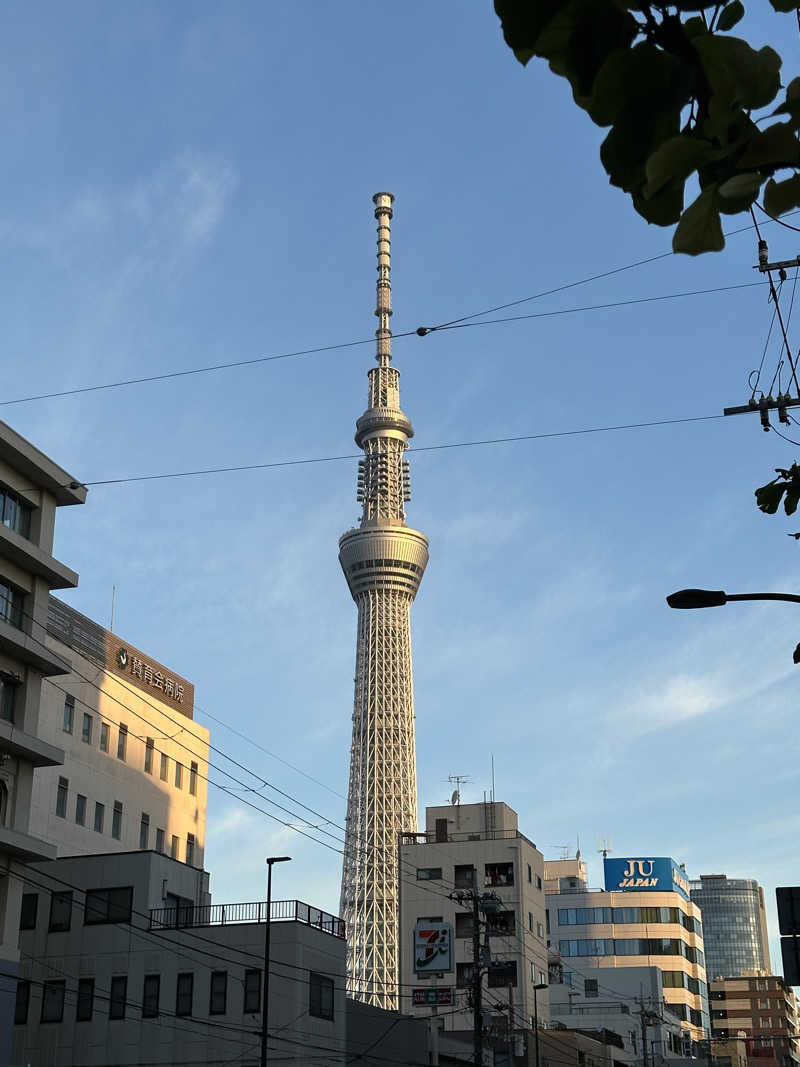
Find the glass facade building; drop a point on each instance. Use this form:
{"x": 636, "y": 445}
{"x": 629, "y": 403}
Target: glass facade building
{"x": 734, "y": 924}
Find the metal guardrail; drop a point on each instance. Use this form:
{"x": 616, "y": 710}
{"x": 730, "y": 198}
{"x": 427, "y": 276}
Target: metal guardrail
{"x": 186, "y": 915}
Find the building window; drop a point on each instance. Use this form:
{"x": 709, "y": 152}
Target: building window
{"x": 69, "y": 713}
{"x": 151, "y": 994}
{"x": 164, "y": 765}
{"x": 86, "y": 729}
{"x": 160, "y": 840}
{"x": 174, "y": 849}
{"x": 104, "y": 732}
{"x": 502, "y": 973}
{"x": 60, "y": 911}
{"x": 190, "y": 849}
{"x": 29, "y": 911}
{"x": 178, "y": 775}
{"x": 8, "y": 697}
{"x": 116, "y": 820}
{"x": 499, "y": 874}
{"x": 108, "y": 906}
{"x": 320, "y": 996}
{"x": 184, "y": 993}
{"x": 218, "y": 997}
{"x": 530, "y": 873}
{"x": 83, "y": 1012}
{"x": 590, "y": 987}
{"x": 252, "y": 992}
{"x": 99, "y": 816}
{"x": 530, "y": 921}
{"x": 428, "y": 874}
{"x": 540, "y": 929}
{"x": 80, "y": 810}
{"x": 53, "y": 1002}
{"x": 23, "y": 1000}
{"x": 538, "y": 882}
{"x": 193, "y": 779}
{"x": 122, "y": 741}
{"x": 11, "y": 604}
{"x": 463, "y": 876}
{"x": 148, "y": 755}
{"x": 119, "y": 994}
{"x": 15, "y": 513}
{"x": 463, "y": 975}
{"x": 61, "y": 797}
{"x": 144, "y": 831}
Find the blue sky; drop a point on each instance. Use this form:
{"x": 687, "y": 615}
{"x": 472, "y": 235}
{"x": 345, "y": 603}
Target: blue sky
{"x": 191, "y": 184}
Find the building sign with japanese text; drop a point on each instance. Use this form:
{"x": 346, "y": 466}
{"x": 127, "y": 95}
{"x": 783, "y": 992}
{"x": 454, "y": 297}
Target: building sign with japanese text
{"x": 433, "y": 948}
{"x": 432, "y": 997}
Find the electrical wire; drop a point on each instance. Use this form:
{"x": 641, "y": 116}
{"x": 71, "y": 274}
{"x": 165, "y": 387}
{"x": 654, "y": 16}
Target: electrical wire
{"x": 780, "y": 222}
{"x": 415, "y": 451}
{"x": 777, "y": 306}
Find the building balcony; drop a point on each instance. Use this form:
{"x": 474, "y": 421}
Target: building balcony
{"x": 24, "y": 847}
{"x": 28, "y": 747}
{"x": 21, "y": 646}
{"x": 185, "y": 915}
{"x": 29, "y": 557}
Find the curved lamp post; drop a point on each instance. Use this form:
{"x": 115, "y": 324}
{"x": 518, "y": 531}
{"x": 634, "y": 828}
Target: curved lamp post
{"x": 265, "y": 991}
{"x": 716, "y": 598}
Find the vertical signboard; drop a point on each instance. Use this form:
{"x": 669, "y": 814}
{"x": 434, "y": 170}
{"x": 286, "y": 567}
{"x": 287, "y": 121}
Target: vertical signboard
{"x": 433, "y": 948}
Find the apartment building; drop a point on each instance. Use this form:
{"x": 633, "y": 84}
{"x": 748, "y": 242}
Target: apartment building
{"x": 761, "y": 1008}
{"x": 135, "y": 768}
{"x": 467, "y": 847}
{"x": 32, "y": 487}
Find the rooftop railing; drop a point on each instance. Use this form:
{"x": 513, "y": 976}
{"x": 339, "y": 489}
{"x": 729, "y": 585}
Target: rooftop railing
{"x": 186, "y": 915}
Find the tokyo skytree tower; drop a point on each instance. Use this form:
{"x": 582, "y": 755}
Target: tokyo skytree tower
{"x": 383, "y": 561}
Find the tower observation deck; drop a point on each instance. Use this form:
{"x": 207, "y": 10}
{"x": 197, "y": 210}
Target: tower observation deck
{"x": 383, "y": 561}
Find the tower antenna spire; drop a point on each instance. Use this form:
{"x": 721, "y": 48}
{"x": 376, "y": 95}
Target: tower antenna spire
{"x": 383, "y": 307}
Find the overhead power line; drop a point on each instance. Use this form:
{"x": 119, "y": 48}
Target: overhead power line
{"x": 421, "y": 448}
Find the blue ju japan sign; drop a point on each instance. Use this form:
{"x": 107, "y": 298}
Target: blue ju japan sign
{"x": 659, "y": 874}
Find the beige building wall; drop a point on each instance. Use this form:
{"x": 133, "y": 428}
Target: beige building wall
{"x": 150, "y": 774}
{"x": 486, "y": 838}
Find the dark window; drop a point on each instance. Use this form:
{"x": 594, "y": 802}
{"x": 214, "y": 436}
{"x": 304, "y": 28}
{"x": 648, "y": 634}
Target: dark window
{"x": 53, "y": 1002}
{"x": 144, "y": 831}
{"x": 69, "y": 713}
{"x": 463, "y": 876}
{"x": 590, "y": 987}
{"x": 108, "y": 906}
{"x": 86, "y": 729}
{"x": 122, "y": 741}
{"x": 193, "y": 779}
{"x": 538, "y": 882}
{"x": 60, "y": 910}
{"x": 119, "y": 994}
{"x": 148, "y": 755}
{"x": 463, "y": 924}
{"x": 160, "y": 840}
{"x": 217, "y": 1002}
{"x": 252, "y": 992}
{"x": 15, "y": 512}
{"x": 99, "y": 816}
{"x": 441, "y": 830}
{"x": 183, "y": 994}
{"x": 80, "y": 809}
{"x": 8, "y": 697}
{"x": 23, "y": 1000}
{"x": 116, "y": 820}
{"x": 463, "y": 975}
{"x": 174, "y": 848}
{"x": 150, "y": 995}
{"x": 530, "y": 873}
{"x": 178, "y": 775}
{"x": 190, "y": 849}
{"x": 83, "y": 1012}
{"x": 499, "y": 874}
{"x": 29, "y": 911}
{"x": 164, "y": 763}
{"x": 11, "y": 602}
{"x": 502, "y": 973}
{"x": 104, "y": 732}
{"x": 428, "y": 874}
{"x": 501, "y": 924}
{"x": 320, "y": 996}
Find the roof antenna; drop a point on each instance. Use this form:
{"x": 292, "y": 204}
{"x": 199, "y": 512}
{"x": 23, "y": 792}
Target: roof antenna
{"x": 604, "y": 846}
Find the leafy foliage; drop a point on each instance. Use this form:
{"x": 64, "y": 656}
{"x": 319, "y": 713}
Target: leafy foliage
{"x": 785, "y": 487}
{"x": 678, "y": 93}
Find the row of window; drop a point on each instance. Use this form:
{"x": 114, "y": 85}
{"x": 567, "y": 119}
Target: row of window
{"x": 370, "y": 563}
{"x": 495, "y": 874}
{"x": 81, "y": 809}
{"x": 12, "y": 602}
{"x": 681, "y": 980}
{"x": 87, "y": 731}
{"x": 15, "y": 512}
{"x": 586, "y": 916}
{"x": 102, "y": 906}
{"x": 681, "y": 1011}
{"x": 631, "y": 946}
{"x": 320, "y": 1003}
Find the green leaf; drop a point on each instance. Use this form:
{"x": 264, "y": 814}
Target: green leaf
{"x": 784, "y": 5}
{"x": 768, "y": 497}
{"x": 630, "y": 143}
{"x": 523, "y": 22}
{"x": 737, "y": 74}
{"x": 780, "y": 197}
{"x": 642, "y": 79}
{"x": 664, "y": 207}
{"x": 730, "y": 15}
{"x": 776, "y": 146}
{"x": 791, "y": 499}
{"x": 675, "y": 158}
{"x": 741, "y": 185}
{"x": 693, "y": 26}
{"x": 700, "y": 229}
{"x": 791, "y": 105}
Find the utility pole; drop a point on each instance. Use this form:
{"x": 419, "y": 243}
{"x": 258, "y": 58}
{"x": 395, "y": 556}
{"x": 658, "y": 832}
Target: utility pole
{"x": 477, "y": 1014}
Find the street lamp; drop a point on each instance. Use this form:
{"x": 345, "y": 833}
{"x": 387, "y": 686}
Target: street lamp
{"x": 265, "y": 998}
{"x": 536, "y": 1020}
{"x": 716, "y": 598}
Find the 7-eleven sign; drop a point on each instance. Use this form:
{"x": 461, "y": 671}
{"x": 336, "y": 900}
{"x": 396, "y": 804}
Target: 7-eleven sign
{"x": 433, "y": 947}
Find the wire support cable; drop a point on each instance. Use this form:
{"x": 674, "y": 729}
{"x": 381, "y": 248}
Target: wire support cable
{"x": 776, "y": 301}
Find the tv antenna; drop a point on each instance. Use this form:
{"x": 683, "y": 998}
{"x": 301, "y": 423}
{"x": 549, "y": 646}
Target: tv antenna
{"x": 457, "y": 780}
{"x": 603, "y": 845}
{"x": 563, "y": 849}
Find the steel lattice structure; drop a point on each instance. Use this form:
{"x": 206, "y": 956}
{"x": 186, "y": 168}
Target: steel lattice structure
{"x": 383, "y": 561}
